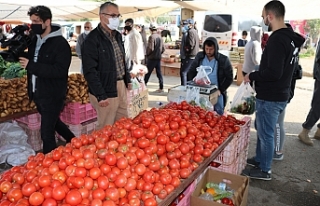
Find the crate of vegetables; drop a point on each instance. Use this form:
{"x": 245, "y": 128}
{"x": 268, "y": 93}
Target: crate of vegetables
{"x": 219, "y": 188}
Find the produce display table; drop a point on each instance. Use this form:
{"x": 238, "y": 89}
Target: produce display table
{"x": 17, "y": 115}
{"x": 195, "y": 174}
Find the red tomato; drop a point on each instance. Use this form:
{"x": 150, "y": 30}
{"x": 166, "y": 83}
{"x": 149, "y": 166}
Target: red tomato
{"x": 58, "y": 193}
{"x": 112, "y": 194}
{"x": 73, "y": 197}
{"x": 36, "y": 198}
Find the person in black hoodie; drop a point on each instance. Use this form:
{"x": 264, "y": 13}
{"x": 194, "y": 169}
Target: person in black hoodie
{"x": 272, "y": 84}
{"x": 47, "y": 65}
{"x": 222, "y": 72}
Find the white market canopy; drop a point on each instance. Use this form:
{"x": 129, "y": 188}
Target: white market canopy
{"x": 295, "y": 9}
{"x": 77, "y": 9}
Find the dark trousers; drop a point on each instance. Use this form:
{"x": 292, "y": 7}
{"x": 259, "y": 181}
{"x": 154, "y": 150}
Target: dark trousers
{"x": 151, "y": 64}
{"x": 314, "y": 113}
{"x": 185, "y": 73}
{"x": 49, "y": 109}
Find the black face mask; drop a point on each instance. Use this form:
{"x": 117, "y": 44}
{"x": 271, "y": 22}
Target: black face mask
{"x": 37, "y": 29}
{"x": 128, "y": 28}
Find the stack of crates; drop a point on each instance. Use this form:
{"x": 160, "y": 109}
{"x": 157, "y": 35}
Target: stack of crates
{"x": 31, "y": 125}
{"x": 233, "y": 157}
{"x": 80, "y": 118}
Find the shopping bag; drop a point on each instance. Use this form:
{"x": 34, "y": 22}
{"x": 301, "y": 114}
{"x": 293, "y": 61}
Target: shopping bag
{"x": 193, "y": 94}
{"x": 202, "y": 78}
{"x": 244, "y": 101}
{"x": 135, "y": 83}
{"x": 138, "y": 69}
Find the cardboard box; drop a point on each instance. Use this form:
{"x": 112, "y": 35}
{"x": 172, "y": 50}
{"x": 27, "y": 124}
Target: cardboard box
{"x": 138, "y": 103}
{"x": 239, "y": 184}
{"x": 172, "y": 71}
{"x": 179, "y": 93}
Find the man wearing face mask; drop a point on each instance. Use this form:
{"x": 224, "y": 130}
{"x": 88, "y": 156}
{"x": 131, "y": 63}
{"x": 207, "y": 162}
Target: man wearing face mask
{"x": 104, "y": 67}
{"x": 133, "y": 44}
{"x": 272, "y": 84}
{"x": 47, "y": 65}
{"x": 191, "y": 48}
{"x": 82, "y": 37}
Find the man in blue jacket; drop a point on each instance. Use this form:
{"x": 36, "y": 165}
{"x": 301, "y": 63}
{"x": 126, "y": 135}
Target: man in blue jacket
{"x": 49, "y": 58}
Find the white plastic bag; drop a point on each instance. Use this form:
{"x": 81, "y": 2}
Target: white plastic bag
{"x": 135, "y": 83}
{"x": 193, "y": 94}
{"x": 202, "y": 78}
{"x": 244, "y": 101}
{"x": 13, "y": 144}
{"x": 138, "y": 69}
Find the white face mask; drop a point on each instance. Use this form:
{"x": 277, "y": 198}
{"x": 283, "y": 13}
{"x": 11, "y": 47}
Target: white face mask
{"x": 86, "y": 32}
{"x": 113, "y": 23}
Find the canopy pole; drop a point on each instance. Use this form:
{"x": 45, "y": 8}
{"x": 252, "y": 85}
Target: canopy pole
{"x": 11, "y": 12}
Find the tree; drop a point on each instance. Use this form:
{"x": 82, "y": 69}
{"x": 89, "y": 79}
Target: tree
{"x": 313, "y": 28}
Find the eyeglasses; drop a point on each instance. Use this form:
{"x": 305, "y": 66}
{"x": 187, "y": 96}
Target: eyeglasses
{"x": 114, "y": 16}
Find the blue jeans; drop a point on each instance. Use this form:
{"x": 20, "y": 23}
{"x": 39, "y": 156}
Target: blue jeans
{"x": 185, "y": 74}
{"x": 219, "y": 106}
{"x": 267, "y": 114}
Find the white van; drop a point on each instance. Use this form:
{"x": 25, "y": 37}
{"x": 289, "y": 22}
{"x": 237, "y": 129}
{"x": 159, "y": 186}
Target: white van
{"x": 227, "y": 28}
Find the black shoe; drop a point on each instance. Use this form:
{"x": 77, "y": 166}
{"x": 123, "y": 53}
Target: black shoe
{"x": 252, "y": 162}
{"x": 257, "y": 173}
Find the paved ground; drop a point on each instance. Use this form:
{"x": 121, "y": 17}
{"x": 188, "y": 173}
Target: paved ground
{"x": 296, "y": 179}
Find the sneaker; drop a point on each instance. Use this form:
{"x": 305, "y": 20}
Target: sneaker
{"x": 257, "y": 173}
{"x": 277, "y": 156}
{"x": 252, "y": 162}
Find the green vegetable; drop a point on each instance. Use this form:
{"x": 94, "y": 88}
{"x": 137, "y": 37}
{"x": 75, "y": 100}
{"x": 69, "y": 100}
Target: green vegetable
{"x": 13, "y": 70}
{"x": 223, "y": 195}
{"x": 2, "y": 65}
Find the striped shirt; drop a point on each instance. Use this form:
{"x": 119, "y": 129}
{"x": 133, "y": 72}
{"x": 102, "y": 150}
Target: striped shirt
{"x": 117, "y": 52}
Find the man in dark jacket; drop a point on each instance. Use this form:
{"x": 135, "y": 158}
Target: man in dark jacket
{"x": 191, "y": 48}
{"x": 154, "y": 50}
{"x": 272, "y": 84}
{"x": 49, "y": 58}
{"x": 222, "y": 72}
{"x": 104, "y": 68}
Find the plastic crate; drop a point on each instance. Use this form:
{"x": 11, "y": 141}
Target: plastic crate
{"x": 243, "y": 135}
{"x": 84, "y": 128}
{"x": 34, "y": 135}
{"x": 242, "y": 160}
{"x": 230, "y": 168}
{"x": 185, "y": 201}
{"x": 77, "y": 113}
{"x": 32, "y": 120}
{"x": 228, "y": 155}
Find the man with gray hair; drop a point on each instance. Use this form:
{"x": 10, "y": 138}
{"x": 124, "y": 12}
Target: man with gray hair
{"x": 87, "y": 28}
{"x": 104, "y": 68}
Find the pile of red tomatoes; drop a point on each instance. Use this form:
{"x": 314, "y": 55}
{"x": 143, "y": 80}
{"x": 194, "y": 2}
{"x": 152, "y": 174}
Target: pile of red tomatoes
{"x": 134, "y": 162}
